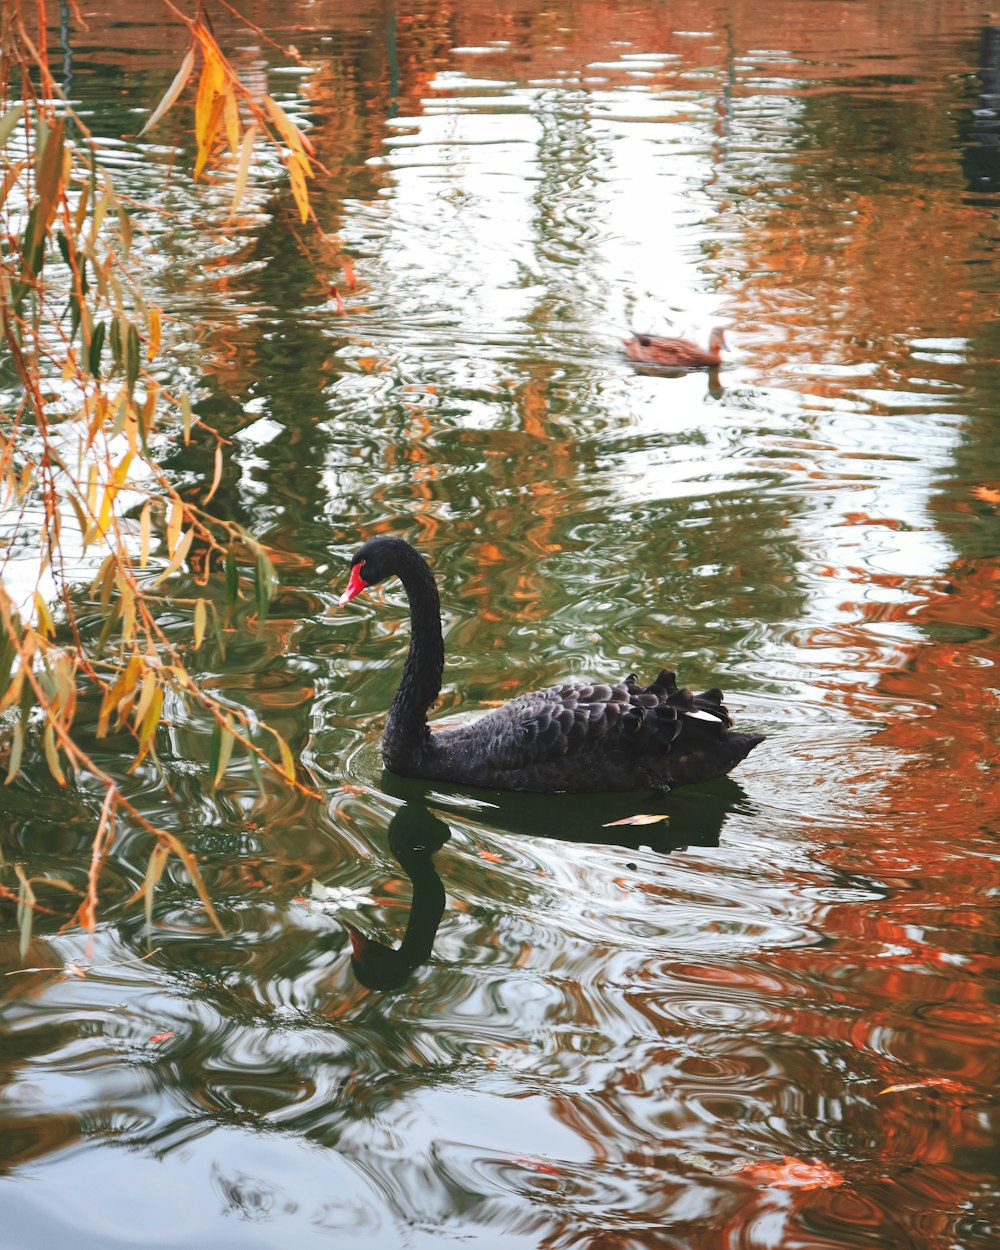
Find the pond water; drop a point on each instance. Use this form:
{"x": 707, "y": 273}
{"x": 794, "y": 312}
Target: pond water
{"x": 593, "y": 1037}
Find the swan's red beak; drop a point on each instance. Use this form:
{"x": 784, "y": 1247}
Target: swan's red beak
{"x": 354, "y": 587}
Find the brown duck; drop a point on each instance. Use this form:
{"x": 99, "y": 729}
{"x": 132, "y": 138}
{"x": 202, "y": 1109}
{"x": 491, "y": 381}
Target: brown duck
{"x": 651, "y": 349}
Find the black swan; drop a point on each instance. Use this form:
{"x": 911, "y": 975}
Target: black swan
{"x": 651, "y": 349}
{"x": 575, "y": 737}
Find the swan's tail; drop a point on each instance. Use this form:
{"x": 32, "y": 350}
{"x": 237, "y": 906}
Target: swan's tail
{"x": 703, "y": 745}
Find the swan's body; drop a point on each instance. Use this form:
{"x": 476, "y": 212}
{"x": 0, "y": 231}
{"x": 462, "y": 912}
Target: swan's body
{"x": 651, "y": 349}
{"x": 575, "y": 737}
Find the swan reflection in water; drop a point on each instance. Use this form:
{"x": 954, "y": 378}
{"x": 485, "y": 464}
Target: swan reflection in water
{"x": 419, "y": 829}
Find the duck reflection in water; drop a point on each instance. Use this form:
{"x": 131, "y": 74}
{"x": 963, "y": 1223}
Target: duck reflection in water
{"x": 416, "y": 832}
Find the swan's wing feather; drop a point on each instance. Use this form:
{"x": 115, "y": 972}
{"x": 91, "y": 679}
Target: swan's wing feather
{"x": 574, "y": 719}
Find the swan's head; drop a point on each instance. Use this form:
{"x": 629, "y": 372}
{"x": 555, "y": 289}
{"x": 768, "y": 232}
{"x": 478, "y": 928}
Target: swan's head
{"x": 379, "y": 558}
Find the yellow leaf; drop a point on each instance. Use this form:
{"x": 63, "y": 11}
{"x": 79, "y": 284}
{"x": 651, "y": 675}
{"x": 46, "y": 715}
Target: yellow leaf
{"x": 178, "y": 557}
{"x": 231, "y": 116}
{"x": 200, "y": 621}
{"x": 13, "y": 692}
{"x": 297, "y": 170}
{"x": 149, "y": 688}
{"x": 145, "y": 531}
{"x": 211, "y": 130}
{"x": 123, "y": 686}
{"x": 101, "y": 409}
{"x": 209, "y": 85}
{"x": 16, "y": 751}
{"x": 187, "y": 416}
{"x": 225, "y": 751}
{"x": 291, "y": 134}
{"x": 52, "y": 755}
{"x": 154, "y": 871}
{"x": 287, "y": 759}
{"x": 128, "y": 613}
{"x": 147, "y": 729}
{"x": 243, "y": 169}
{"x": 46, "y": 625}
{"x": 173, "y": 91}
{"x": 174, "y": 526}
{"x": 111, "y": 493}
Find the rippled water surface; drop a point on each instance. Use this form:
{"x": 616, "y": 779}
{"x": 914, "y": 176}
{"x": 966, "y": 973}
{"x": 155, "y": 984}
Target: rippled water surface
{"x": 593, "y": 1037}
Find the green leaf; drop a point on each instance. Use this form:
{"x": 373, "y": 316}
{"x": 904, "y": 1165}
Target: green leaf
{"x": 33, "y": 244}
{"x": 132, "y": 357}
{"x": 263, "y": 583}
{"x": 115, "y": 339}
{"x": 220, "y": 640}
{"x": 214, "y": 750}
{"x": 232, "y": 579}
{"x": 7, "y": 653}
{"x": 258, "y": 775}
{"x": 96, "y": 346}
{"x": 9, "y": 121}
{"x": 110, "y": 622}
{"x": 25, "y": 911}
{"x": 187, "y": 416}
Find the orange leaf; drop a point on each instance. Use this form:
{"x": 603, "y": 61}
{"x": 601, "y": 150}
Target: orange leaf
{"x": 154, "y": 334}
{"x": 492, "y": 856}
{"x": 165, "y": 1036}
{"x": 792, "y": 1174}
{"x": 986, "y": 494}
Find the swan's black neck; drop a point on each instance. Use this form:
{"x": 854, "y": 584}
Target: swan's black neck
{"x": 406, "y": 733}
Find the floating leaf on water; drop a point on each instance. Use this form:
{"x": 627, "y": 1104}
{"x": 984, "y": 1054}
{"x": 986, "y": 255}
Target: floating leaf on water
{"x": 941, "y": 1082}
{"x": 643, "y": 818}
{"x": 791, "y": 1174}
{"x": 165, "y": 1036}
